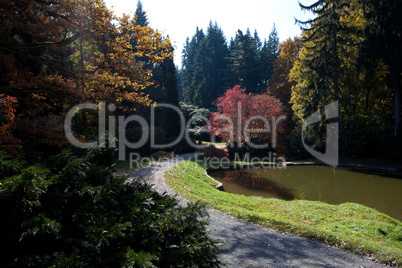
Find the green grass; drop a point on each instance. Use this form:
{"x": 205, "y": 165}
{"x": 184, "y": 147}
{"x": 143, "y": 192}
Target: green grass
{"x": 350, "y": 226}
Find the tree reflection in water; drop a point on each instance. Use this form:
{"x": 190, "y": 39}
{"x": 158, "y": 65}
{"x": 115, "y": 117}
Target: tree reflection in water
{"x": 253, "y": 181}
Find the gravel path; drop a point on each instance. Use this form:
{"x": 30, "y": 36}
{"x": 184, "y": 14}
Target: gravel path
{"x": 249, "y": 245}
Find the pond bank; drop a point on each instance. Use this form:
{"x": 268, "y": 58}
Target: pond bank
{"x": 249, "y": 245}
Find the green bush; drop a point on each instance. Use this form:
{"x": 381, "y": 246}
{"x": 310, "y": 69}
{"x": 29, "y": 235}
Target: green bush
{"x": 9, "y": 166}
{"x": 75, "y": 213}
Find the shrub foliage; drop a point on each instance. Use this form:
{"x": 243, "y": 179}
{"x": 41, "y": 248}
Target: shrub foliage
{"x": 75, "y": 213}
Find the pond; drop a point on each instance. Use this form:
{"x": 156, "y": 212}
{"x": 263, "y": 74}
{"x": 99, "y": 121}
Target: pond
{"x": 319, "y": 183}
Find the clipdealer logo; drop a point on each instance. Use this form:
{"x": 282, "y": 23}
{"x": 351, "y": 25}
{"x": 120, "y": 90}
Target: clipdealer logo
{"x": 116, "y": 128}
{"x": 331, "y": 155}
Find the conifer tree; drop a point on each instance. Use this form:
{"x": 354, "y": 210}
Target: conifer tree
{"x": 268, "y": 54}
{"x": 326, "y": 32}
{"x": 384, "y": 43}
{"x": 141, "y": 15}
{"x": 188, "y": 71}
{"x": 327, "y": 70}
{"x": 165, "y": 88}
{"x": 218, "y": 66}
{"x": 245, "y": 63}
{"x": 204, "y": 72}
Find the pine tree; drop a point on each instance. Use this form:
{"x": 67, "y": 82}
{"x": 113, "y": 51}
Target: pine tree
{"x": 218, "y": 67}
{"x": 140, "y": 15}
{"x": 269, "y": 53}
{"x": 384, "y": 42}
{"x": 257, "y": 41}
{"x": 201, "y": 83}
{"x": 168, "y": 81}
{"x": 165, "y": 88}
{"x": 204, "y": 72}
{"x": 188, "y": 71}
{"x": 237, "y": 59}
{"x": 327, "y": 70}
{"x": 245, "y": 63}
{"x": 325, "y": 32}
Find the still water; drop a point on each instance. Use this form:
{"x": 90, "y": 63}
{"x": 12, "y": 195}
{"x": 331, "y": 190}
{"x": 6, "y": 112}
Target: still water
{"x": 320, "y": 183}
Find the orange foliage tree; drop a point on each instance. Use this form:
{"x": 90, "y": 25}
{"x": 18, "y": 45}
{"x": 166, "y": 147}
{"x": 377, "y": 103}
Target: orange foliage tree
{"x": 8, "y": 143}
{"x": 54, "y": 54}
{"x": 279, "y": 86}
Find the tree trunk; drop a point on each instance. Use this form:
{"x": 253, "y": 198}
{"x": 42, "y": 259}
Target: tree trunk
{"x": 397, "y": 127}
{"x": 397, "y": 111}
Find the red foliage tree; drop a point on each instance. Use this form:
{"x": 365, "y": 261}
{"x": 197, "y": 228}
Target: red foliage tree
{"x": 244, "y": 117}
{"x": 8, "y": 143}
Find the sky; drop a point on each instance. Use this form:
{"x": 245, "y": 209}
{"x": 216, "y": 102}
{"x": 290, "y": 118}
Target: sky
{"x": 178, "y": 19}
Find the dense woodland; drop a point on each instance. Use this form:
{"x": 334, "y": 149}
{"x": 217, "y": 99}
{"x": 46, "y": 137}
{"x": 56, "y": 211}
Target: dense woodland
{"x": 211, "y": 65}
{"x": 351, "y": 52}
{"x": 57, "y": 54}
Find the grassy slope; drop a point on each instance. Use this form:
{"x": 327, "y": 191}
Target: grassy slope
{"x": 350, "y": 226}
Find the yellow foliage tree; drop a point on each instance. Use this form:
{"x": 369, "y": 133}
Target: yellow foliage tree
{"x": 76, "y": 48}
{"x": 55, "y": 54}
{"x": 364, "y": 98}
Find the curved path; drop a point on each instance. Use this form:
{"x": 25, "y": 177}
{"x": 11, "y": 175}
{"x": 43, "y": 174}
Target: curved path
{"x": 249, "y": 245}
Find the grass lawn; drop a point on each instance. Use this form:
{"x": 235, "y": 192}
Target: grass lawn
{"x": 350, "y": 226}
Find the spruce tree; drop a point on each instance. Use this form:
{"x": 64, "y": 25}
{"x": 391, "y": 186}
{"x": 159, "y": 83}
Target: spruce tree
{"x": 245, "y": 63}
{"x": 165, "y": 88}
{"x": 327, "y": 38}
{"x": 188, "y": 72}
{"x": 168, "y": 82}
{"x": 269, "y": 53}
{"x": 204, "y": 72}
{"x": 384, "y": 43}
{"x": 140, "y": 15}
{"x": 218, "y": 65}
{"x": 326, "y": 32}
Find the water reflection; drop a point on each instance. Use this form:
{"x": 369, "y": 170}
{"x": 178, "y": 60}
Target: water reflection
{"x": 327, "y": 184}
{"x": 243, "y": 179}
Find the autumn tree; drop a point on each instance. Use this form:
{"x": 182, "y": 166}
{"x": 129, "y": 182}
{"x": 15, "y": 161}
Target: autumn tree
{"x": 8, "y": 143}
{"x": 56, "y": 54}
{"x": 279, "y": 86}
{"x": 363, "y": 95}
{"x": 243, "y": 117}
